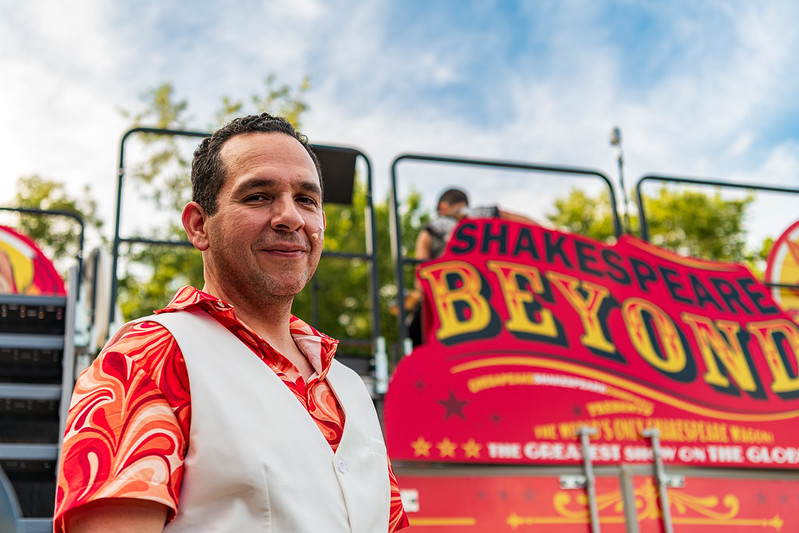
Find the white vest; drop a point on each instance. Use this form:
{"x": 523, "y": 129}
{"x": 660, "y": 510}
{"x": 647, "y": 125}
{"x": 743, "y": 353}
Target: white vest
{"x": 257, "y": 462}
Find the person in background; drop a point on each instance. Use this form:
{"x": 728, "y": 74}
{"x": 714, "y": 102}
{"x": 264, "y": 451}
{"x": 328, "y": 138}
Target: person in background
{"x": 223, "y": 411}
{"x": 452, "y": 207}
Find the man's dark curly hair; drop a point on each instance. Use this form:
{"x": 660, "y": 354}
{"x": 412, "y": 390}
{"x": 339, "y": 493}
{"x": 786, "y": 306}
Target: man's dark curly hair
{"x": 208, "y": 170}
{"x": 453, "y": 196}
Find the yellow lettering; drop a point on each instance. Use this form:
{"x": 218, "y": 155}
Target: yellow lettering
{"x": 728, "y": 350}
{"x": 475, "y": 312}
{"x": 515, "y": 299}
{"x": 673, "y": 359}
{"x": 765, "y": 333}
{"x": 587, "y": 307}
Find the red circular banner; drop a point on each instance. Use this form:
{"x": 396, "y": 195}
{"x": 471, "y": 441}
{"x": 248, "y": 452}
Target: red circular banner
{"x": 24, "y": 269}
{"x": 782, "y": 268}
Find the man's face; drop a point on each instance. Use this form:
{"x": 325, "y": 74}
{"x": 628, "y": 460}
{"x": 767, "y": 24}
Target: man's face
{"x": 266, "y": 236}
{"x": 457, "y": 210}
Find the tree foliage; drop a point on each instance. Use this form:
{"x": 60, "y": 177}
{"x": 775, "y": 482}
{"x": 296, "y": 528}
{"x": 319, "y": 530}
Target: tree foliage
{"x": 343, "y": 285}
{"x": 161, "y": 179}
{"x": 686, "y": 221}
{"x": 700, "y": 225}
{"x": 57, "y": 236}
{"x": 581, "y": 213}
{"x": 340, "y": 290}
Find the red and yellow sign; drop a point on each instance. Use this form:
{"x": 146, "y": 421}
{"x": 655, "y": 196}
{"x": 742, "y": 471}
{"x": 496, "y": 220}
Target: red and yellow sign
{"x": 782, "y": 269}
{"x": 504, "y": 502}
{"x": 24, "y": 269}
{"x": 532, "y": 334}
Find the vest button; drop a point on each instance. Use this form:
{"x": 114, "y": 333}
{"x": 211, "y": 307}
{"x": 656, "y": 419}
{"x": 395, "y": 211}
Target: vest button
{"x": 342, "y": 466}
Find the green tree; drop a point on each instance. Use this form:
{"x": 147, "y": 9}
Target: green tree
{"x": 348, "y": 295}
{"x": 161, "y": 180}
{"x": 699, "y": 225}
{"x": 581, "y": 213}
{"x": 688, "y": 222}
{"x": 57, "y": 236}
{"x": 163, "y": 175}
{"x": 278, "y": 99}
{"x": 153, "y": 273}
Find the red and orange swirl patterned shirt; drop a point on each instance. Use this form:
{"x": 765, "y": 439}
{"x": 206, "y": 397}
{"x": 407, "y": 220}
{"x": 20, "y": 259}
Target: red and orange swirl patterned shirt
{"x": 128, "y": 426}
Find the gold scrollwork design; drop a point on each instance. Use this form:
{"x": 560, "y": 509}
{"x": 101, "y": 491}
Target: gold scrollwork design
{"x": 573, "y": 509}
{"x": 705, "y": 505}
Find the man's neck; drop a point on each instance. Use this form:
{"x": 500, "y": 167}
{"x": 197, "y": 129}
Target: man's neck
{"x": 271, "y": 318}
{"x": 280, "y": 339}
{"x": 272, "y": 321}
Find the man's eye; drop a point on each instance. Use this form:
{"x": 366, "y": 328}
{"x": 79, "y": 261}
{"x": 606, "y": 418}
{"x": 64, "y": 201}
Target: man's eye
{"x": 306, "y": 200}
{"x": 255, "y": 198}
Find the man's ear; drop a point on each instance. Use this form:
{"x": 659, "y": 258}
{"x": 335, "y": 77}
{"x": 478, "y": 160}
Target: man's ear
{"x": 194, "y": 218}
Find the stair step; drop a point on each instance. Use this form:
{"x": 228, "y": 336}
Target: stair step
{"x": 14, "y": 391}
{"x": 29, "y": 452}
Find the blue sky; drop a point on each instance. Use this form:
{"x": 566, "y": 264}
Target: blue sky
{"x": 702, "y": 89}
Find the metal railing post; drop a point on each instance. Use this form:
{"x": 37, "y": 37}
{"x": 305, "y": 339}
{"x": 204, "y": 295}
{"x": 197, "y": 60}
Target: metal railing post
{"x": 395, "y": 222}
{"x": 653, "y": 434}
{"x": 585, "y": 433}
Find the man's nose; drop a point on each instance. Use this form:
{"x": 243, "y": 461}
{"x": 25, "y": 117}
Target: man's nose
{"x": 286, "y": 216}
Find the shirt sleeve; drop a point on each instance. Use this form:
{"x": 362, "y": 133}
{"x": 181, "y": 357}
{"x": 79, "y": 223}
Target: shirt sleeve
{"x": 397, "y": 518}
{"x": 127, "y": 425}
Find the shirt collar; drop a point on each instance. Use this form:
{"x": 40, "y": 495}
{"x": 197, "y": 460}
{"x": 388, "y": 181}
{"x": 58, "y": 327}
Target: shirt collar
{"x": 317, "y": 347}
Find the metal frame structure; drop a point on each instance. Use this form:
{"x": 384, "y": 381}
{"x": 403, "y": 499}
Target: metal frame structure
{"x": 58, "y": 213}
{"x": 396, "y": 230}
{"x": 118, "y": 240}
{"x": 371, "y": 238}
{"x": 34, "y": 453}
{"x": 708, "y": 183}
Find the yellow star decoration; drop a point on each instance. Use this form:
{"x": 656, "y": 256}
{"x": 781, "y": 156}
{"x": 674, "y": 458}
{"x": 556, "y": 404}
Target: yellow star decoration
{"x": 421, "y": 447}
{"x": 472, "y": 449}
{"x": 446, "y": 448}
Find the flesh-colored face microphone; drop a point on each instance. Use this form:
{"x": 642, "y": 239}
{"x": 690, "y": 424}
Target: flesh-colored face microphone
{"x": 321, "y": 232}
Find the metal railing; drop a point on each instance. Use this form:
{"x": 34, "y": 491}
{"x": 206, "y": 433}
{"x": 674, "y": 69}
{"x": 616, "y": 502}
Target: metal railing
{"x": 396, "y": 229}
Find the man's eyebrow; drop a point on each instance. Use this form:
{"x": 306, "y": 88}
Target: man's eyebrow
{"x": 267, "y": 183}
{"x": 311, "y": 187}
{"x": 255, "y": 183}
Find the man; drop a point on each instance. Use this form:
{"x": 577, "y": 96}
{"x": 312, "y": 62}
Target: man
{"x": 452, "y": 207}
{"x": 223, "y": 412}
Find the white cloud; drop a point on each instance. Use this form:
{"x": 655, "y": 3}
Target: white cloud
{"x": 57, "y": 63}
{"x": 545, "y": 84}
{"x": 781, "y": 166}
